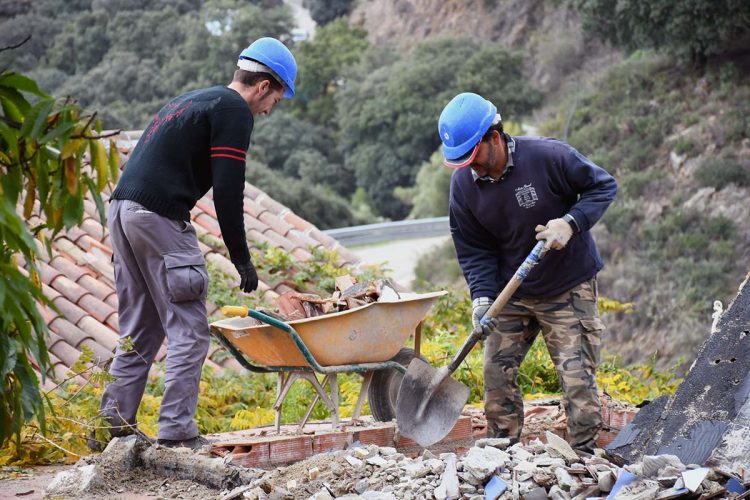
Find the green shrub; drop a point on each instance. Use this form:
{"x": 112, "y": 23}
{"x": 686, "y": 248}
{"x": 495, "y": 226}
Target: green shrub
{"x": 720, "y": 171}
{"x": 685, "y": 146}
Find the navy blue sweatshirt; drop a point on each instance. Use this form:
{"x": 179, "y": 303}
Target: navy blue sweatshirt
{"x": 492, "y": 223}
{"x": 197, "y": 141}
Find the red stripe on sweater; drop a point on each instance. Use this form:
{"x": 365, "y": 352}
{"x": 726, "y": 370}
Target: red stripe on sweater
{"x": 215, "y": 155}
{"x": 228, "y": 149}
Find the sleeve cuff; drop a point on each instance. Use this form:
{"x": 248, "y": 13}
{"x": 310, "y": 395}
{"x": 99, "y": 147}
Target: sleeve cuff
{"x": 573, "y": 222}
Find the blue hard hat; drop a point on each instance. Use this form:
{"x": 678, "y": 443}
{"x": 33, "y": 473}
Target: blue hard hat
{"x": 463, "y": 122}
{"x": 277, "y": 57}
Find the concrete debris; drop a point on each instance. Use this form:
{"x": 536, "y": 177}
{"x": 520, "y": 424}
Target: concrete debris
{"x": 533, "y": 471}
{"x": 82, "y": 479}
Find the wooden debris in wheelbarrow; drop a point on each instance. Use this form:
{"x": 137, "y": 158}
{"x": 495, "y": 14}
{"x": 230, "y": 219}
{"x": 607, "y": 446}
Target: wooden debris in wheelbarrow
{"x": 348, "y": 295}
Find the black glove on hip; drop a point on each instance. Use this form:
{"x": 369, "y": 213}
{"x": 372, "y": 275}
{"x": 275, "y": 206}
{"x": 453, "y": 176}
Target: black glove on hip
{"x": 248, "y": 276}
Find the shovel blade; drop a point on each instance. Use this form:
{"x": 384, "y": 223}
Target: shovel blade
{"x": 426, "y": 413}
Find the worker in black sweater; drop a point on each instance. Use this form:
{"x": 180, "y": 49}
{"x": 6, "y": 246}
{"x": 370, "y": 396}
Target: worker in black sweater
{"x": 196, "y": 142}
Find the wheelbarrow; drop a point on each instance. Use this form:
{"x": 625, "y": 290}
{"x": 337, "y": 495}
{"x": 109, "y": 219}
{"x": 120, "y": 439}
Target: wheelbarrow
{"x": 368, "y": 340}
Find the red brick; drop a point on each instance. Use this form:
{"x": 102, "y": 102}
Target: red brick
{"x": 323, "y": 443}
{"x": 381, "y": 436}
{"x": 619, "y": 418}
{"x": 258, "y": 456}
{"x": 605, "y": 437}
{"x": 285, "y": 451}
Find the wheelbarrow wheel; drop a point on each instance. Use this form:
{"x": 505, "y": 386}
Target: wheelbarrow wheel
{"x": 384, "y": 387}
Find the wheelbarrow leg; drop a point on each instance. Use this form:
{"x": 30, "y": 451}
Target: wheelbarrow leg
{"x": 332, "y": 380}
{"x": 362, "y": 394}
{"x": 284, "y": 383}
{"x": 333, "y": 383}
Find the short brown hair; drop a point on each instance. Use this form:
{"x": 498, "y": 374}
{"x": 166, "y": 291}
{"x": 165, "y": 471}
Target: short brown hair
{"x": 250, "y": 78}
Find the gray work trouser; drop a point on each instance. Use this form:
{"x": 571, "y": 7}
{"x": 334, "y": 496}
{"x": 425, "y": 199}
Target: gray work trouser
{"x": 161, "y": 281}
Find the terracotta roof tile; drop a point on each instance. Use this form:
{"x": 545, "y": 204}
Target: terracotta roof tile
{"x": 99, "y": 289}
{"x": 270, "y": 296}
{"x": 275, "y": 223}
{"x": 69, "y": 309}
{"x": 209, "y": 223}
{"x": 254, "y": 223}
{"x": 69, "y": 268}
{"x": 48, "y": 314}
{"x": 256, "y": 236}
{"x": 269, "y": 203}
{"x": 68, "y": 331}
{"x": 252, "y": 192}
{"x": 207, "y": 206}
{"x": 96, "y": 308}
{"x": 47, "y": 273}
{"x": 58, "y": 370}
{"x": 49, "y": 292}
{"x": 301, "y": 254}
{"x": 93, "y": 228}
{"x": 301, "y": 240}
{"x": 278, "y": 240}
{"x": 253, "y": 208}
{"x": 322, "y": 237}
{"x": 66, "y": 352}
{"x": 94, "y": 248}
{"x": 68, "y": 288}
{"x": 74, "y": 233}
{"x": 103, "y": 334}
{"x": 295, "y": 220}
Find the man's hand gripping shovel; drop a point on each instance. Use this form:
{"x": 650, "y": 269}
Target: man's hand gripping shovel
{"x": 429, "y": 401}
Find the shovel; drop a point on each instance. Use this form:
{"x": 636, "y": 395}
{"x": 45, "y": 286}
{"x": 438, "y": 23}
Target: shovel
{"x": 429, "y": 401}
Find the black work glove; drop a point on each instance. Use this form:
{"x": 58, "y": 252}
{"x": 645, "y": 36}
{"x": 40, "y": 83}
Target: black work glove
{"x": 489, "y": 326}
{"x": 248, "y": 276}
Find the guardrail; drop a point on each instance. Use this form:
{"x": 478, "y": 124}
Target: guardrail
{"x": 387, "y": 231}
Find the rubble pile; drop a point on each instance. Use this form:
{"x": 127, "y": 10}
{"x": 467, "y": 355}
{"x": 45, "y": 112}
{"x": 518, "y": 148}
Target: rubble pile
{"x": 490, "y": 469}
{"x": 348, "y": 294}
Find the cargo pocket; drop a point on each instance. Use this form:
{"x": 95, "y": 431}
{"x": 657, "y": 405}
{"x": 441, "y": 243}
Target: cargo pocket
{"x": 187, "y": 278}
{"x": 591, "y": 342}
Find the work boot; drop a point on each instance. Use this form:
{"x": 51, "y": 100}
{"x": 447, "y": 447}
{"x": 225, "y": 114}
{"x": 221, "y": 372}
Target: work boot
{"x": 195, "y": 443}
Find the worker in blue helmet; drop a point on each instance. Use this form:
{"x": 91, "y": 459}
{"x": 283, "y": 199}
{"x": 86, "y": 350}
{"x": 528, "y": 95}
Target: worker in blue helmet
{"x": 196, "y": 142}
{"x": 505, "y": 194}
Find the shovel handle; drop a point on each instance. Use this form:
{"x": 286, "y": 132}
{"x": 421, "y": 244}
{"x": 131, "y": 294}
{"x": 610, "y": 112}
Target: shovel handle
{"x": 510, "y": 288}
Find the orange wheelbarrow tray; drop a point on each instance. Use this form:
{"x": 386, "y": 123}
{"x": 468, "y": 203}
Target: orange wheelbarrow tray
{"x": 367, "y": 340}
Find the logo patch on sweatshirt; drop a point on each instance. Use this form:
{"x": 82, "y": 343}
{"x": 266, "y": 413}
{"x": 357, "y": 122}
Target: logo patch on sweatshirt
{"x": 526, "y": 196}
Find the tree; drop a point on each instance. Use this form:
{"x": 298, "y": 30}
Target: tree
{"x": 388, "y": 113}
{"x": 325, "y": 11}
{"x": 42, "y": 146}
{"x": 322, "y": 63}
{"x": 691, "y": 29}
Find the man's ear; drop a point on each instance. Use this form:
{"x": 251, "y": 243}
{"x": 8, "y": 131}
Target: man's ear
{"x": 264, "y": 86}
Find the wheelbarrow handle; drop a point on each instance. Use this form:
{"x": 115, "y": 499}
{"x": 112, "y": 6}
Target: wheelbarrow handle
{"x": 240, "y": 311}
{"x": 502, "y": 299}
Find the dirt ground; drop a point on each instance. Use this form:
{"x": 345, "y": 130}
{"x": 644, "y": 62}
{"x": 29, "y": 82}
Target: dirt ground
{"x": 27, "y": 482}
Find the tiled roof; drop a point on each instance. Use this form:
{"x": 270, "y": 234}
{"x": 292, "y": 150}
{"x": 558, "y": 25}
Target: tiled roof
{"x": 78, "y": 276}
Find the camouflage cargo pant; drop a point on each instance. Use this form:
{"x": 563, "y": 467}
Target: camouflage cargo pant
{"x": 572, "y": 331}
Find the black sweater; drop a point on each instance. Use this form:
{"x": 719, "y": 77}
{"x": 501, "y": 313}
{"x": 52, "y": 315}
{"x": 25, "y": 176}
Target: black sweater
{"x": 195, "y": 142}
{"x": 493, "y": 223}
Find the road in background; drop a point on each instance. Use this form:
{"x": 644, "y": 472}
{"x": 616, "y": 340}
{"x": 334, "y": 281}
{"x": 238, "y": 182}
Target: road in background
{"x": 401, "y": 257}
